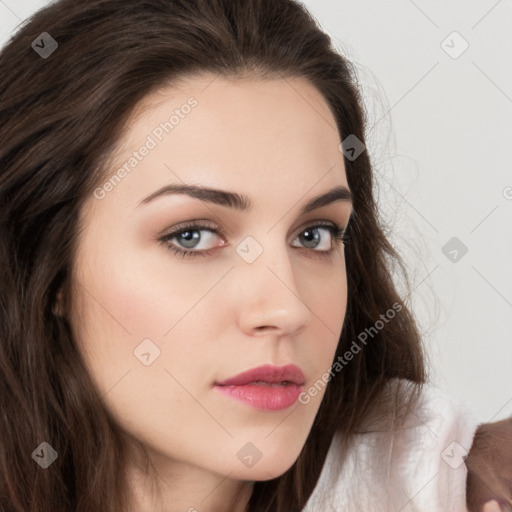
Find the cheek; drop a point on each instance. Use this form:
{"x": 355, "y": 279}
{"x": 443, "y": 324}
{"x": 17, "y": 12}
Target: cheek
{"x": 131, "y": 306}
{"x": 128, "y": 318}
{"x": 325, "y": 293}
{"x": 137, "y": 298}
{"x": 328, "y": 303}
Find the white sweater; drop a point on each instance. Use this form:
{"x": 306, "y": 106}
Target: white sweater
{"x": 419, "y": 469}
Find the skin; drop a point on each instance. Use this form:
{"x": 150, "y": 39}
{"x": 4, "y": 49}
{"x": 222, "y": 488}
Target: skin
{"x": 213, "y": 317}
{"x": 490, "y": 469}
{"x": 492, "y": 506}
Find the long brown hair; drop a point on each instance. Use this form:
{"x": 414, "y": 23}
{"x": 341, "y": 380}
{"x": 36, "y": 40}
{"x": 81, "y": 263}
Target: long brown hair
{"x": 61, "y": 117}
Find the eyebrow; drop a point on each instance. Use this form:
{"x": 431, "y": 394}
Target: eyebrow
{"x": 240, "y": 201}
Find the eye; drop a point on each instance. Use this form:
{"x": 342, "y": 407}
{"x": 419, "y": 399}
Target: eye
{"x": 188, "y": 236}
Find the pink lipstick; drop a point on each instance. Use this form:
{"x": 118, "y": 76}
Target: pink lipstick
{"x": 266, "y": 387}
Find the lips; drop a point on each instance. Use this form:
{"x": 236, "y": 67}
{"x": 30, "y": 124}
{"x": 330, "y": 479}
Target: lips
{"x": 267, "y": 387}
{"x": 267, "y": 374}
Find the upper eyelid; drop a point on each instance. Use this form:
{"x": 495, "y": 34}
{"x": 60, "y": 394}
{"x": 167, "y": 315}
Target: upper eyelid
{"x": 209, "y": 226}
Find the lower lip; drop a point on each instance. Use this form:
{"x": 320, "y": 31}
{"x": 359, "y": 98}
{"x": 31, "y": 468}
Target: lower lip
{"x": 264, "y": 396}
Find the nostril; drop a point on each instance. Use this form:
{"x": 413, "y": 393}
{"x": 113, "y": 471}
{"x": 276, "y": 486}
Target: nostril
{"x": 265, "y": 328}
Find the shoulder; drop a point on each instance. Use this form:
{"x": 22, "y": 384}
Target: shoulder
{"x": 412, "y": 465}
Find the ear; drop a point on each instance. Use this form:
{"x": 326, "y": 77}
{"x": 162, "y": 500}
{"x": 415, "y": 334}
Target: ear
{"x": 58, "y": 307}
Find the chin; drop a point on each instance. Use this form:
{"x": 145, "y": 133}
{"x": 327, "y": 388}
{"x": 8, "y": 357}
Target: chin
{"x": 272, "y": 464}
{"x": 263, "y": 472}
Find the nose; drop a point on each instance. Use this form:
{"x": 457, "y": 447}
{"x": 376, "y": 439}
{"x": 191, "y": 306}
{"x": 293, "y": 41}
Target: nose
{"x": 270, "y": 300}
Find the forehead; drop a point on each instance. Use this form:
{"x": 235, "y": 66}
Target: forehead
{"x": 245, "y": 134}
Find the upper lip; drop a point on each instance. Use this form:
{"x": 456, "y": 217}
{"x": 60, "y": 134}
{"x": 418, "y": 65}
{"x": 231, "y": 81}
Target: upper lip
{"x": 267, "y": 373}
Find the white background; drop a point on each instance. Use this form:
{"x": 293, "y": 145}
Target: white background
{"x": 440, "y": 137}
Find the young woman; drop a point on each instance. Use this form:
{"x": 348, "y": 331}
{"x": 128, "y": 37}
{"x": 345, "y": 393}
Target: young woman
{"x": 198, "y": 310}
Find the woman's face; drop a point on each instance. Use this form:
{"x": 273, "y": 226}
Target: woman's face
{"x": 157, "y": 330}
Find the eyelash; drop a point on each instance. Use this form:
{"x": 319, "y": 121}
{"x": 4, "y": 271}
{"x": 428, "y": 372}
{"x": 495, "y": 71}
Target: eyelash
{"x": 339, "y": 237}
